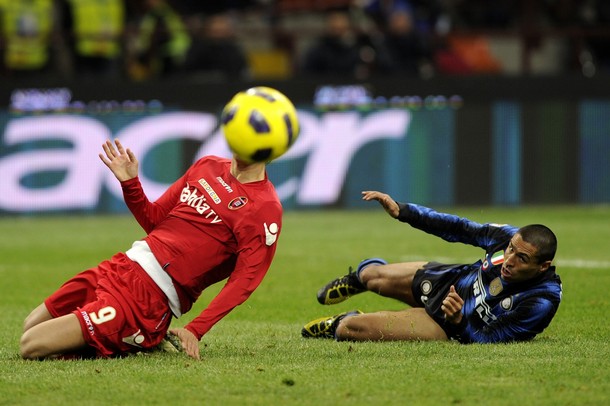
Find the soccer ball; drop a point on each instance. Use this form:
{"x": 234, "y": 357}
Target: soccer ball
{"x": 260, "y": 124}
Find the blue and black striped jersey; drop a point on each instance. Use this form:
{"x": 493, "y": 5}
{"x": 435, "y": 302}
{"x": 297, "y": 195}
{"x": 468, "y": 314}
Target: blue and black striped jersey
{"x": 494, "y": 310}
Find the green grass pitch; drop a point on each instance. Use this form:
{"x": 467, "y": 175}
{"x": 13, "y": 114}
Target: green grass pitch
{"x": 255, "y": 356}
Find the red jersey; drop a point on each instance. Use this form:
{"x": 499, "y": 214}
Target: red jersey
{"x": 208, "y": 227}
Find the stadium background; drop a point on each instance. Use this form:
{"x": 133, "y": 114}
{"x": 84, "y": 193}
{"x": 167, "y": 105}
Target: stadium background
{"x": 466, "y": 141}
{"x": 526, "y": 123}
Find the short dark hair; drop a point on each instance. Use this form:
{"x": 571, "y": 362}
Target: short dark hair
{"x": 541, "y": 237}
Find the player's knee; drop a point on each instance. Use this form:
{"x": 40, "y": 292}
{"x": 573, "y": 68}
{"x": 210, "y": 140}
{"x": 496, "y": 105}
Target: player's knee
{"x": 32, "y": 347}
{"x": 27, "y": 346}
{"x": 35, "y": 317}
{"x": 28, "y": 323}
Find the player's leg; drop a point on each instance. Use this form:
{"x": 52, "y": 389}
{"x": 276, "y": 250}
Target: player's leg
{"x": 409, "y": 325}
{"x": 325, "y": 327}
{"x": 344, "y": 287}
{"x": 52, "y": 337}
{"x": 392, "y": 280}
{"x": 375, "y": 274}
{"x": 76, "y": 292}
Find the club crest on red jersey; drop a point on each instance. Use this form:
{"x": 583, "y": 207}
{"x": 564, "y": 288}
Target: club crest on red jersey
{"x": 238, "y": 203}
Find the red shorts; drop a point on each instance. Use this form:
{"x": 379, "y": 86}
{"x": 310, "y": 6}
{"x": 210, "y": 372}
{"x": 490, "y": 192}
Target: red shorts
{"x": 120, "y": 309}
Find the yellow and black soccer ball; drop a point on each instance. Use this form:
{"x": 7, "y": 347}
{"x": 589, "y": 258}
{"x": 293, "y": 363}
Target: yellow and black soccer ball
{"x": 260, "y": 124}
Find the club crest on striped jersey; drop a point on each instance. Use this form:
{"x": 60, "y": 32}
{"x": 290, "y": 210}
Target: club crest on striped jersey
{"x": 495, "y": 287}
{"x": 238, "y": 203}
{"x": 507, "y": 303}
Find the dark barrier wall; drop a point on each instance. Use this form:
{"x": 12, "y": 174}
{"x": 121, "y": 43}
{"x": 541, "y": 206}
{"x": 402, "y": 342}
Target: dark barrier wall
{"x": 462, "y": 141}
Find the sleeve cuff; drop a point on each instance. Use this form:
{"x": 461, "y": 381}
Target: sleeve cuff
{"x": 455, "y": 331}
{"x": 129, "y": 182}
{"x": 195, "y": 333}
{"x": 404, "y": 212}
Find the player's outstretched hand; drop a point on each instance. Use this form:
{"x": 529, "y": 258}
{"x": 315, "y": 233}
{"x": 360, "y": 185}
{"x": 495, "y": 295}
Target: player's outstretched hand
{"x": 189, "y": 342}
{"x": 122, "y": 162}
{"x": 386, "y": 201}
{"x": 452, "y": 306}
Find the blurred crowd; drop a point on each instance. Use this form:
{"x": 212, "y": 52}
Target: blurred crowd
{"x": 141, "y": 40}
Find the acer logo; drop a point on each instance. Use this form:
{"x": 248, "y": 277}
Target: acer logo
{"x": 327, "y": 143}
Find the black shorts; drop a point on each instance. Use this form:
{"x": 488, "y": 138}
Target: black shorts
{"x": 431, "y": 285}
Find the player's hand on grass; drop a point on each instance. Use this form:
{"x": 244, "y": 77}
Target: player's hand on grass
{"x": 452, "y": 306}
{"x": 122, "y": 162}
{"x": 386, "y": 201}
{"x": 189, "y": 342}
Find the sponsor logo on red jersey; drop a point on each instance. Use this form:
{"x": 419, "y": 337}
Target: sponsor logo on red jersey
{"x": 88, "y": 323}
{"x": 198, "y": 202}
{"x": 224, "y": 184}
{"x": 206, "y": 186}
{"x": 271, "y": 232}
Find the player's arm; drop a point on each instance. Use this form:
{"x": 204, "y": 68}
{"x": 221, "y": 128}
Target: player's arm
{"x": 253, "y": 261}
{"x": 148, "y": 214}
{"x": 454, "y": 228}
{"x": 385, "y": 200}
{"x": 124, "y": 165}
{"x": 121, "y": 162}
{"x": 523, "y": 323}
{"x": 452, "y": 307}
{"x": 246, "y": 277}
{"x": 450, "y": 227}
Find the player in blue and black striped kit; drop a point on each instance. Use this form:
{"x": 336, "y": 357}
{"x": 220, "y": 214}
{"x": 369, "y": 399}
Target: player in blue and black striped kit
{"x": 510, "y": 295}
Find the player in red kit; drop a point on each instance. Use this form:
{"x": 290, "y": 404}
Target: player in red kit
{"x": 220, "y": 220}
